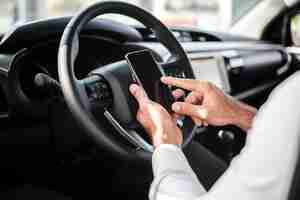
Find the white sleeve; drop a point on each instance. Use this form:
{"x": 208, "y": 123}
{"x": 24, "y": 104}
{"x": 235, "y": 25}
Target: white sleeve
{"x": 263, "y": 170}
{"x": 173, "y": 177}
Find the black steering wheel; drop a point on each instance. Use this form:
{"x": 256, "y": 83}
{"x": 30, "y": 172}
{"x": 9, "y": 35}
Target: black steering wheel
{"x": 105, "y": 90}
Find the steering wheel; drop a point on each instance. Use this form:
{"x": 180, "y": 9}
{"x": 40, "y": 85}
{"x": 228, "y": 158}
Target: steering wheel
{"x": 103, "y": 96}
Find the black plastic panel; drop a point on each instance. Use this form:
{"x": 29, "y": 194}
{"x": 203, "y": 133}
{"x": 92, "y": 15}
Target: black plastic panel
{"x": 40, "y": 31}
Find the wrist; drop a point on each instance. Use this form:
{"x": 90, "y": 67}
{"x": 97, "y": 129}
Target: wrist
{"x": 160, "y": 138}
{"x": 244, "y": 116}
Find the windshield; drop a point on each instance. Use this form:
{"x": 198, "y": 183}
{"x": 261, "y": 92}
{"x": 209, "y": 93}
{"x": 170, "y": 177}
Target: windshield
{"x": 216, "y": 15}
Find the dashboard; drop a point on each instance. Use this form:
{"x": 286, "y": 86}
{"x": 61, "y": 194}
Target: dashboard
{"x": 103, "y": 42}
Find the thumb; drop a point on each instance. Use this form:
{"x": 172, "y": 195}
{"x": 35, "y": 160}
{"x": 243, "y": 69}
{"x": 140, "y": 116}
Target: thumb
{"x": 191, "y": 110}
{"x": 138, "y": 93}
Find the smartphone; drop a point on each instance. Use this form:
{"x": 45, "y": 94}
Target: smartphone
{"x": 146, "y": 72}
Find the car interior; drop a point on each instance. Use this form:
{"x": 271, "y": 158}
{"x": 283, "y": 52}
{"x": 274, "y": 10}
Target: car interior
{"x": 68, "y": 127}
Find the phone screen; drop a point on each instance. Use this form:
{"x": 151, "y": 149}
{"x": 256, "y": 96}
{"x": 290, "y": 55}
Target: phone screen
{"x": 147, "y": 73}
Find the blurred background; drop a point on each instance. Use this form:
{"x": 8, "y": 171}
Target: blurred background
{"x": 213, "y": 15}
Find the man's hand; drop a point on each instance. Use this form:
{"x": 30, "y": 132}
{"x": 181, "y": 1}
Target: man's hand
{"x": 206, "y": 104}
{"x": 158, "y": 123}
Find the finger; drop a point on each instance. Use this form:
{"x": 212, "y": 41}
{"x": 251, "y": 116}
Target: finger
{"x": 175, "y": 116}
{"x": 178, "y": 93}
{"x": 198, "y": 121}
{"x": 138, "y": 93}
{"x": 188, "y": 84}
{"x": 140, "y": 118}
{"x": 184, "y": 108}
{"x": 194, "y": 98}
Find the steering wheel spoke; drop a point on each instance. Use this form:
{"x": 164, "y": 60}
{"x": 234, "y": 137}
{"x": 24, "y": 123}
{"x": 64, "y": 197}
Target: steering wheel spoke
{"x": 128, "y": 134}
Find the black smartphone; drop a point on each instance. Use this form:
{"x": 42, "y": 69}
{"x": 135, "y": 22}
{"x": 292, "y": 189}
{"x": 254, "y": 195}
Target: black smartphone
{"x": 147, "y": 73}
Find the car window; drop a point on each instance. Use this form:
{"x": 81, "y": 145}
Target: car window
{"x": 241, "y": 7}
{"x": 7, "y": 9}
{"x": 204, "y": 14}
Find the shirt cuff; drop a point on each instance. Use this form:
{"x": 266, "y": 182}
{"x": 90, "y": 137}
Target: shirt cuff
{"x": 173, "y": 174}
{"x": 169, "y": 157}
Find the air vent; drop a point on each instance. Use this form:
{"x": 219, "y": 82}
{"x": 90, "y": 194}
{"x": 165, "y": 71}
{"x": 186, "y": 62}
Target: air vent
{"x": 182, "y": 35}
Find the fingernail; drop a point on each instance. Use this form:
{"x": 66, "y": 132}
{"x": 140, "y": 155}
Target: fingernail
{"x": 133, "y": 88}
{"x": 198, "y": 122}
{"x": 176, "y": 107}
{"x": 203, "y": 113}
{"x": 164, "y": 78}
{"x": 177, "y": 94}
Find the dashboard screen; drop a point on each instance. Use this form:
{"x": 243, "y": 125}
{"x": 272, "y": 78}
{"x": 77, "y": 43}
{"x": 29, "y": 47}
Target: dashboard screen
{"x": 211, "y": 69}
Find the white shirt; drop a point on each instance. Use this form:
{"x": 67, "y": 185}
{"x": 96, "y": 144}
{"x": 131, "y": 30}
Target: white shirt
{"x": 263, "y": 170}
